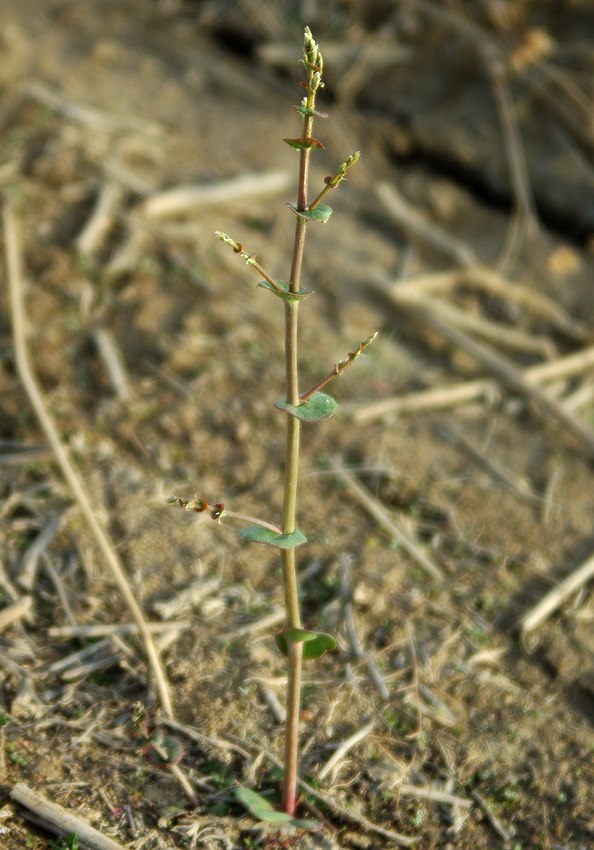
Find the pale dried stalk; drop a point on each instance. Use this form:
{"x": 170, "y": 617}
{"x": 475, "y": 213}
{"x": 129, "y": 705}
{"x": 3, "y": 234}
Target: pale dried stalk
{"x": 344, "y": 747}
{"x": 186, "y": 199}
{"x": 355, "y": 647}
{"x": 86, "y": 116}
{"x": 516, "y": 291}
{"x": 113, "y": 361}
{"x": 60, "y": 821}
{"x": 493, "y": 331}
{"x": 387, "y": 522}
{"x": 30, "y": 561}
{"x": 29, "y": 381}
{"x": 557, "y": 596}
{"x": 496, "y": 363}
{"x": 421, "y": 792}
{"x": 469, "y": 391}
{"x": 12, "y": 613}
{"x": 122, "y": 629}
{"x": 102, "y": 218}
{"x": 415, "y": 224}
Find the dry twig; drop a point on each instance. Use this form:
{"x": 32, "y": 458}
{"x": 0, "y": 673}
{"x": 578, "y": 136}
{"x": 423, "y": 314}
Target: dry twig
{"x": 515, "y": 291}
{"x": 73, "y": 478}
{"x": 30, "y": 560}
{"x": 375, "y": 509}
{"x": 497, "y": 470}
{"x": 95, "y": 231}
{"x": 470, "y": 391}
{"x": 186, "y": 199}
{"x": 496, "y": 363}
{"x": 557, "y": 596}
{"x": 121, "y": 629}
{"x": 15, "y": 612}
{"x": 60, "y": 821}
{"x": 113, "y": 361}
{"x": 416, "y": 226}
{"x": 86, "y": 116}
{"x": 343, "y": 748}
{"x": 502, "y": 832}
{"x": 422, "y": 792}
{"x": 357, "y": 650}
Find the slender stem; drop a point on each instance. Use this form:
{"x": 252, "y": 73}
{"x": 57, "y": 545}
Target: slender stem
{"x": 300, "y": 226}
{"x": 289, "y": 792}
{"x": 253, "y": 262}
{"x": 320, "y": 197}
{"x": 319, "y": 386}
{"x": 75, "y": 480}
{"x": 271, "y": 526}
{"x": 339, "y": 367}
{"x": 292, "y": 729}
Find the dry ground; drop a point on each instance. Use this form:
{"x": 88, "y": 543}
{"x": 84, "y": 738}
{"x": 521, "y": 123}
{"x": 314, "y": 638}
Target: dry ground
{"x": 113, "y": 103}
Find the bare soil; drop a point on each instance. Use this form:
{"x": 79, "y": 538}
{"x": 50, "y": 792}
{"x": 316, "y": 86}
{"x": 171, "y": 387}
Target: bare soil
{"x": 123, "y": 101}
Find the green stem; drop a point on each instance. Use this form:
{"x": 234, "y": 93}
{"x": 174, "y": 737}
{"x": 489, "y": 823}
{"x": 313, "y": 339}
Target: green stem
{"x": 320, "y": 197}
{"x": 289, "y": 792}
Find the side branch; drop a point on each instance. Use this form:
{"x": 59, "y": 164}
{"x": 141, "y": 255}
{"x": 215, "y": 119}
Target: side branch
{"x": 339, "y": 367}
{"x": 218, "y": 511}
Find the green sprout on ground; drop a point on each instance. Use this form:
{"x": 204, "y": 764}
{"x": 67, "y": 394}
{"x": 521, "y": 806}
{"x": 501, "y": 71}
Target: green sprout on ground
{"x": 313, "y": 405}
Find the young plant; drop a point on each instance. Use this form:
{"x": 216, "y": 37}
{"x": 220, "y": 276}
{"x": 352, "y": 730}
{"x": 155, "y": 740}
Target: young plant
{"x": 313, "y": 405}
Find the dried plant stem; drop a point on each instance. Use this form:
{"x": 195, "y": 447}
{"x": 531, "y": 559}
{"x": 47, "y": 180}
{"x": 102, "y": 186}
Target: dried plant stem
{"x": 59, "y": 820}
{"x": 389, "y": 523}
{"x": 29, "y": 381}
{"x": 496, "y": 363}
{"x": 557, "y": 596}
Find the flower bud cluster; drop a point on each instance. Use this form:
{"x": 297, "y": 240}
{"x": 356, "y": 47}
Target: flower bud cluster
{"x": 313, "y": 62}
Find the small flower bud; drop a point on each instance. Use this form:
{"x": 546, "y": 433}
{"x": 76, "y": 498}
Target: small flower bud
{"x": 217, "y": 511}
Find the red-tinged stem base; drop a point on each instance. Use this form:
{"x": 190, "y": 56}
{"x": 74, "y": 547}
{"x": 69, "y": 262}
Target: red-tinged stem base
{"x": 289, "y": 794}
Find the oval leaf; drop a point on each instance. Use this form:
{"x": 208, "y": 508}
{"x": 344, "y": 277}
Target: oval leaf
{"x": 306, "y": 111}
{"x": 257, "y": 534}
{"x": 307, "y": 823}
{"x": 285, "y": 294}
{"x": 320, "y": 213}
{"x": 304, "y": 144}
{"x": 318, "y": 406}
{"x": 315, "y": 644}
{"x": 259, "y": 806}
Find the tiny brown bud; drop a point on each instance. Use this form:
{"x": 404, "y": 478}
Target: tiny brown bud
{"x": 196, "y": 503}
{"x": 217, "y": 511}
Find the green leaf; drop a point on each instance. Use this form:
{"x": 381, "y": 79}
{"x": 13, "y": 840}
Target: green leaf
{"x": 306, "y": 111}
{"x": 285, "y": 294}
{"x": 259, "y": 806}
{"x": 320, "y": 213}
{"x": 318, "y": 406}
{"x": 257, "y": 534}
{"x": 304, "y": 144}
{"x": 315, "y": 644}
{"x": 307, "y": 823}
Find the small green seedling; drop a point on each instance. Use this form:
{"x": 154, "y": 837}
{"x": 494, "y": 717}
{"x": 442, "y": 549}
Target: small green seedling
{"x": 313, "y": 405}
